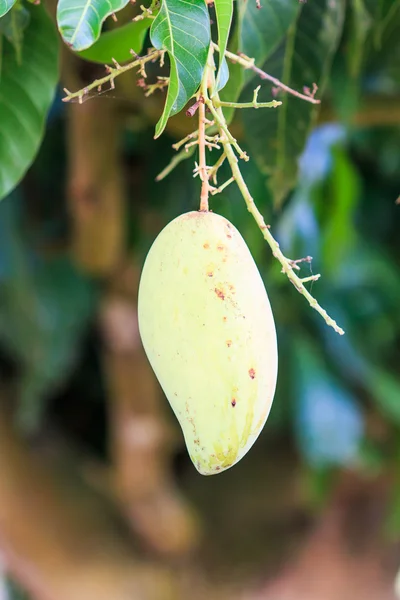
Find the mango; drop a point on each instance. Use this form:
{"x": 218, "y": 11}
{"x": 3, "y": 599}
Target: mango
{"x": 208, "y": 331}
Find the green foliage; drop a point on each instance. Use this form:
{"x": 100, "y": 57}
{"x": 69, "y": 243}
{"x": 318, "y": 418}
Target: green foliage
{"x": 260, "y": 31}
{"x": 183, "y": 30}
{"x": 277, "y": 137}
{"x": 45, "y": 305}
{"x": 257, "y": 34}
{"x": 361, "y": 23}
{"x": 27, "y": 87}
{"x": 118, "y": 43}
{"x": 12, "y": 26}
{"x": 80, "y": 21}
{"x": 5, "y": 6}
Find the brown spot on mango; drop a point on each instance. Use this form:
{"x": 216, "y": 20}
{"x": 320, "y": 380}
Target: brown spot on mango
{"x": 220, "y": 247}
{"x": 233, "y": 402}
{"x": 252, "y": 373}
{"x": 229, "y": 343}
{"x": 220, "y": 293}
{"x": 206, "y": 246}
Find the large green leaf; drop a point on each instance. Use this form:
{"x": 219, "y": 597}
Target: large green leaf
{"x": 224, "y": 12}
{"x": 183, "y": 30}
{"x": 117, "y": 43}
{"x": 26, "y": 93}
{"x": 5, "y": 6}
{"x": 277, "y": 137}
{"x": 261, "y": 30}
{"x": 80, "y": 21}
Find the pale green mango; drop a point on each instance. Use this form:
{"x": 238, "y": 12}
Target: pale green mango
{"x": 207, "y": 328}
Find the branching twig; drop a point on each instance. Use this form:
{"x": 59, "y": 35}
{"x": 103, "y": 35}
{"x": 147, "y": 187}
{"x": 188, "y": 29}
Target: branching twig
{"x": 212, "y": 174}
{"x": 288, "y": 266}
{"x": 248, "y": 63}
{"x": 221, "y": 187}
{"x": 225, "y": 131}
{"x": 147, "y": 13}
{"x": 253, "y": 104}
{"x": 150, "y": 88}
{"x": 112, "y": 74}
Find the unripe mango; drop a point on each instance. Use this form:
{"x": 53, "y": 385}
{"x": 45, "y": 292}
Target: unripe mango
{"x": 207, "y": 328}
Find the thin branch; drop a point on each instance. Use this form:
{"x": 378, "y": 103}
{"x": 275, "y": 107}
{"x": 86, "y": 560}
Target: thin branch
{"x": 147, "y": 13}
{"x": 226, "y": 131}
{"x": 253, "y": 104}
{"x": 222, "y": 187}
{"x": 213, "y": 171}
{"x": 185, "y": 140}
{"x": 112, "y": 74}
{"x": 248, "y": 63}
{"x": 287, "y": 264}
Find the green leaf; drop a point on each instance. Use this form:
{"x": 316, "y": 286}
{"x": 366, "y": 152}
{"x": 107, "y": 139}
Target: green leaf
{"x": 118, "y": 43}
{"x": 386, "y": 391}
{"x": 182, "y": 29}
{"x": 224, "y": 12}
{"x": 26, "y": 94}
{"x": 277, "y": 137}
{"x": 5, "y": 6}
{"x": 262, "y": 30}
{"x": 383, "y": 13}
{"x": 339, "y": 234}
{"x": 361, "y": 23}
{"x": 12, "y": 26}
{"x": 80, "y": 21}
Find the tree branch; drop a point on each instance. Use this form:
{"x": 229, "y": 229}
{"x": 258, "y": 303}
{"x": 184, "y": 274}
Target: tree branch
{"x": 248, "y": 63}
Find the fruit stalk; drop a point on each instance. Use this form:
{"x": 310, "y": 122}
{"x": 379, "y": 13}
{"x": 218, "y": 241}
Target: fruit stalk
{"x": 202, "y": 157}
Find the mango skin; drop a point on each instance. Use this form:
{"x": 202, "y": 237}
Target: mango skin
{"x": 207, "y": 328}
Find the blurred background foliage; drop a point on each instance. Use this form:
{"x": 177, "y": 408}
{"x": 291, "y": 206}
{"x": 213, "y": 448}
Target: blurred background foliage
{"x": 337, "y": 406}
